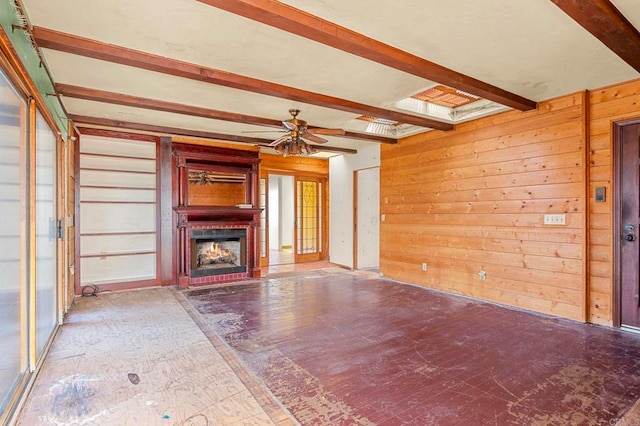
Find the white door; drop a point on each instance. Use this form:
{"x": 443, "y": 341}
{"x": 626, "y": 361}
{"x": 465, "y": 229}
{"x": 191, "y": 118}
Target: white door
{"x": 367, "y": 216}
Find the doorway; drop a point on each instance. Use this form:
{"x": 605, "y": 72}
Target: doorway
{"x": 626, "y": 223}
{"x": 293, "y": 222}
{"x": 281, "y": 219}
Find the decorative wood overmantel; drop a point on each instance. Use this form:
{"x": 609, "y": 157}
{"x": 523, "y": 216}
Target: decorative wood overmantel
{"x": 228, "y": 198}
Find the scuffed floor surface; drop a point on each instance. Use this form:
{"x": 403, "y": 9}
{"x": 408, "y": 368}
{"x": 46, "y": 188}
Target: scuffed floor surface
{"x": 137, "y": 358}
{"x": 343, "y": 348}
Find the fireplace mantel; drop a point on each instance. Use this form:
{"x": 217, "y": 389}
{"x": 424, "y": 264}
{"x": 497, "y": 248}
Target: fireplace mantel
{"x": 231, "y": 180}
{"x": 215, "y": 214}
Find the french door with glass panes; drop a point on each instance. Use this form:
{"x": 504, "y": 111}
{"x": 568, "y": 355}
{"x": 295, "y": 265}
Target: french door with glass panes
{"x": 310, "y": 219}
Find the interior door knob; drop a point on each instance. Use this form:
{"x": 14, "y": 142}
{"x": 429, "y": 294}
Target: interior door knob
{"x": 630, "y": 237}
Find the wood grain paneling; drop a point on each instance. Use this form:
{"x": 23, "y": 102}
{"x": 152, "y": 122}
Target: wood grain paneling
{"x": 608, "y": 105}
{"x": 474, "y": 200}
{"x": 306, "y": 165}
{"x": 217, "y": 194}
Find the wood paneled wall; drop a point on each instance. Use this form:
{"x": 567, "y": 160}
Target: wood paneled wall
{"x": 217, "y": 194}
{"x": 608, "y": 105}
{"x": 474, "y": 200}
{"x": 288, "y": 165}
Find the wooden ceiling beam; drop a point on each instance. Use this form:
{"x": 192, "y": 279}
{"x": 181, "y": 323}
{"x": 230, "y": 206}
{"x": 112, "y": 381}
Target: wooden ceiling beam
{"x": 166, "y": 130}
{"x": 296, "y": 21}
{"x": 69, "y": 43}
{"x": 77, "y": 92}
{"x": 604, "y": 21}
{"x": 85, "y": 93}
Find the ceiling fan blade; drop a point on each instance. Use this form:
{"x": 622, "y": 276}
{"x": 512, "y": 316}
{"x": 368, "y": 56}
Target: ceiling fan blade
{"x": 326, "y": 131}
{"x": 314, "y": 138}
{"x": 279, "y": 140}
{"x": 289, "y": 125}
{"x": 263, "y": 131}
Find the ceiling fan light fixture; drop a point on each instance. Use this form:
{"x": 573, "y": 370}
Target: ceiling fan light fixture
{"x": 293, "y": 143}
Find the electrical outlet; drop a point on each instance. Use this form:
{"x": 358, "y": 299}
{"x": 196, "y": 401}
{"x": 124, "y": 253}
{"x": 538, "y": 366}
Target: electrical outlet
{"x": 555, "y": 219}
{"x": 383, "y": 217}
{"x": 483, "y": 275}
{"x": 424, "y": 266}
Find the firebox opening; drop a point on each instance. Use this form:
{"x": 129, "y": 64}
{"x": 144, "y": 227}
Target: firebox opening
{"x": 218, "y": 251}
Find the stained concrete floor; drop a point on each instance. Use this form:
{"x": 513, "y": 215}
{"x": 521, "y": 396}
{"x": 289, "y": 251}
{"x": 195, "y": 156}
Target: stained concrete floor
{"x": 328, "y": 347}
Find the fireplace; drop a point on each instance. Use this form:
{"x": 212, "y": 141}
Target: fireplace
{"x": 218, "y": 251}
{"x": 216, "y": 218}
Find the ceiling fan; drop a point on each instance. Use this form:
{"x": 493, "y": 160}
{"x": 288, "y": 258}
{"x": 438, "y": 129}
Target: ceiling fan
{"x": 292, "y": 142}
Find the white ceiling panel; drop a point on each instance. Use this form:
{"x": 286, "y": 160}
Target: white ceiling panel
{"x": 530, "y": 48}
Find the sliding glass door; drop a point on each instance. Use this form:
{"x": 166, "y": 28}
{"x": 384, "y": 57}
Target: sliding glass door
{"x": 46, "y": 228}
{"x": 29, "y": 305}
{"x": 13, "y": 113}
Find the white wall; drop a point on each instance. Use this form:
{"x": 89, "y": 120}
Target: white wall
{"x": 341, "y": 170}
{"x": 274, "y": 213}
{"x": 287, "y": 210}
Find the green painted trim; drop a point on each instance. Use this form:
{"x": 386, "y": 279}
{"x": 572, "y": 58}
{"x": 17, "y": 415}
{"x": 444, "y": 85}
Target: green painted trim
{"x": 31, "y": 62}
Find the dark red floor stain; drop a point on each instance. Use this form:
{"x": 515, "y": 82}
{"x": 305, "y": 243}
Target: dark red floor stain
{"x": 339, "y": 349}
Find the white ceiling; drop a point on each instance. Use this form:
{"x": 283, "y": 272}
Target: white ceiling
{"x": 527, "y": 47}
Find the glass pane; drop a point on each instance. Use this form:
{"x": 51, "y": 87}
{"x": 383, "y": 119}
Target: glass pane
{"x": 12, "y": 118}
{"x": 263, "y": 217}
{"x": 307, "y": 217}
{"x": 46, "y": 299}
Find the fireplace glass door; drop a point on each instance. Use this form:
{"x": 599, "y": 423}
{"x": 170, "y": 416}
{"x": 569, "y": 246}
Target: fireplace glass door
{"x": 218, "y": 251}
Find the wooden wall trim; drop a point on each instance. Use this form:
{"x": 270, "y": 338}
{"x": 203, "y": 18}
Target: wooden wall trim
{"x": 616, "y": 223}
{"x": 586, "y": 256}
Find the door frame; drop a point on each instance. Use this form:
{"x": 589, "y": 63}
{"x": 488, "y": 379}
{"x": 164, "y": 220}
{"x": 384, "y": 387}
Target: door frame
{"x": 265, "y": 172}
{"x": 616, "y": 183}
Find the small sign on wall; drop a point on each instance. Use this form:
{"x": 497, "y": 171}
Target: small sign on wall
{"x": 600, "y": 194}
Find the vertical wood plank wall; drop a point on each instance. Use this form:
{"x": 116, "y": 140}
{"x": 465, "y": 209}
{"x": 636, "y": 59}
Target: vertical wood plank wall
{"x": 608, "y": 105}
{"x": 474, "y": 199}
